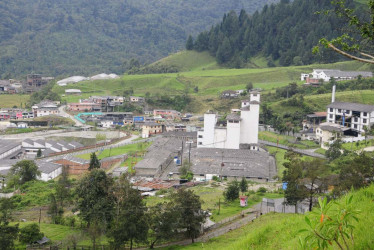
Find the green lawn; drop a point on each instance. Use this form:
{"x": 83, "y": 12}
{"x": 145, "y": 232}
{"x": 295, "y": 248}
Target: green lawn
{"x": 201, "y": 71}
{"x": 320, "y": 151}
{"x": 9, "y": 101}
{"x": 286, "y": 140}
{"x": 211, "y": 196}
{"x": 358, "y": 145}
{"x": 132, "y": 148}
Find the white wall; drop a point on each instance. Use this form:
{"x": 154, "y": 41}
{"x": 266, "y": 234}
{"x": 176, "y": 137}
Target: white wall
{"x": 50, "y": 176}
{"x": 220, "y": 137}
{"x": 249, "y": 124}
{"x": 255, "y": 97}
{"x": 210, "y": 121}
{"x": 233, "y": 135}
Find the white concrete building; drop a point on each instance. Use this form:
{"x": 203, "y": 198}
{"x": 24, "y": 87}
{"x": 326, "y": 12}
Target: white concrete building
{"x": 352, "y": 115}
{"x": 9, "y": 148}
{"x": 338, "y": 75}
{"x": 48, "y": 170}
{"x": 241, "y": 130}
{"x": 106, "y": 124}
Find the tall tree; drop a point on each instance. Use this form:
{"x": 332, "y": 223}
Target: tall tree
{"x": 243, "y": 185}
{"x": 163, "y": 222}
{"x": 232, "y": 191}
{"x": 356, "y": 172}
{"x": 292, "y": 175}
{"x": 95, "y": 201}
{"x": 189, "y": 43}
{"x": 62, "y": 188}
{"x": 131, "y": 223}
{"x": 8, "y": 233}
{"x": 26, "y": 170}
{"x": 94, "y": 162}
{"x": 190, "y": 214}
{"x": 314, "y": 171}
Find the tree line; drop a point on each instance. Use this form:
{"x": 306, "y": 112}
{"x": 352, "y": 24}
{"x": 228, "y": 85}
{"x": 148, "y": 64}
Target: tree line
{"x": 309, "y": 179}
{"x": 285, "y": 33}
{"x": 106, "y": 206}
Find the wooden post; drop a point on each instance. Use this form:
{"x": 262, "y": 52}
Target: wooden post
{"x": 219, "y": 205}
{"x": 40, "y": 216}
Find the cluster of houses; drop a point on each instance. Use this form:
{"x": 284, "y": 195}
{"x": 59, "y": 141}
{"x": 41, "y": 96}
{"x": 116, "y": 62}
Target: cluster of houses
{"x": 344, "y": 120}
{"x": 33, "y": 83}
{"x": 319, "y": 76}
{"x": 21, "y": 118}
{"x": 101, "y": 103}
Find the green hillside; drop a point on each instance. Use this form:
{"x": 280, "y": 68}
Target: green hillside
{"x": 210, "y": 82}
{"x": 319, "y": 102}
{"x": 188, "y": 61}
{"x": 92, "y": 36}
{"x": 280, "y": 231}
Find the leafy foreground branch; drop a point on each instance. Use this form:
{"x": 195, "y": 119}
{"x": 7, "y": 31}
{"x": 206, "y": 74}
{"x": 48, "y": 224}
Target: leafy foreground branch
{"x": 331, "y": 224}
{"x": 362, "y": 36}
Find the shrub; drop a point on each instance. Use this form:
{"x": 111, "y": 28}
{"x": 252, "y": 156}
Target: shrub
{"x": 30, "y": 233}
{"x": 161, "y": 191}
{"x": 232, "y": 191}
{"x": 262, "y": 190}
{"x": 216, "y": 178}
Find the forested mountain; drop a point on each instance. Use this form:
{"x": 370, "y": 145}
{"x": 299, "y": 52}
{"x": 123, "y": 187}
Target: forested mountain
{"x": 91, "y": 36}
{"x": 285, "y": 32}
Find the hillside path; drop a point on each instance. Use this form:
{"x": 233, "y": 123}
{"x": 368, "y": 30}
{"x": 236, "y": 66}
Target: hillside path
{"x": 308, "y": 152}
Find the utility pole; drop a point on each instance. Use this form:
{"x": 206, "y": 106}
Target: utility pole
{"x": 189, "y": 151}
{"x": 219, "y": 206}
{"x": 182, "y": 154}
{"x": 40, "y": 216}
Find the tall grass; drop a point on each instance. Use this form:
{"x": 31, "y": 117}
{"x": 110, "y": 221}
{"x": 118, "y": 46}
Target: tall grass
{"x": 280, "y": 231}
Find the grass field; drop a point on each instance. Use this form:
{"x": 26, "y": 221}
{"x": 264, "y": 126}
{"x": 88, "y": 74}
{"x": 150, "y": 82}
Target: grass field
{"x": 200, "y": 69}
{"x": 189, "y": 61}
{"x": 286, "y": 140}
{"x": 358, "y": 145}
{"x": 211, "y": 196}
{"x": 281, "y": 231}
{"x": 9, "y": 101}
{"x": 132, "y": 148}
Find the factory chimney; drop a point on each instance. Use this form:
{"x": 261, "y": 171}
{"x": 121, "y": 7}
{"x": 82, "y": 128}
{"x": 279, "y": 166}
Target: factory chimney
{"x": 333, "y": 93}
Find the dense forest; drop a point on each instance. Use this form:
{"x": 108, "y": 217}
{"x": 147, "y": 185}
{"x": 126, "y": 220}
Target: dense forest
{"x": 284, "y": 33}
{"x": 68, "y": 37}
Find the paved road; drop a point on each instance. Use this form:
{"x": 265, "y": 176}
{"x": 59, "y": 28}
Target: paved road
{"x": 309, "y": 152}
{"x": 64, "y": 114}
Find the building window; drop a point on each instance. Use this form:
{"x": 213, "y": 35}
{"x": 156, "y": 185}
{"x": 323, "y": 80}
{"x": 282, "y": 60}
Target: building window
{"x": 331, "y": 116}
{"x": 200, "y": 136}
{"x": 356, "y": 119}
{"x": 331, "y": 109}
{"x": 365, "y": 114}
{"x": 364, "y": 120}
{"x": 200, "y": 143}
{"x": 339, "y": 110}
{"x": 355, "y": 126}
{"x": 347, "y": 112}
